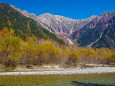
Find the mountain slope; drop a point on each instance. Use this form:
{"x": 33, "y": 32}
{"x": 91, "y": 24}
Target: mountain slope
{"x": 88, "y": 32}
{"x": 98, "y": 33}
{"x": 108, "y": 37}
{"x": 59, "y": 25}
{"x": 22, "y": 25}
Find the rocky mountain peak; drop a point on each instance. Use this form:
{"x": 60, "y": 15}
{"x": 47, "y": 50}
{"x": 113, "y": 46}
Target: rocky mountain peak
{"x": 60, "y": 24}
{"x": 92, "y": 17}
{"x": 57, "y": 24}
{"x": 108, "y": 13}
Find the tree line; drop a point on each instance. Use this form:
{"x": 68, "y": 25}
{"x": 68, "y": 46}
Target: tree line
{"x": 15, "y": 51}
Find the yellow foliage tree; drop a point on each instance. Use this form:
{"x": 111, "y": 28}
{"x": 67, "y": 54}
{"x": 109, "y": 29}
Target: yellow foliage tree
{"x": 54, "y": 53}
{"x": 30, "y": 52}
{"x": 28, "y": 25}
{"x": 5, "y": 33}
{"x": 66, "y": 55}
{"x": 11, "y": 50}
{"x": 9, "y": 23}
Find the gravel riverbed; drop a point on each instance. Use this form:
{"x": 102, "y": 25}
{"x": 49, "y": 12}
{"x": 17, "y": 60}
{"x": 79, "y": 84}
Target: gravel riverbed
{"x": 65, "y": 71}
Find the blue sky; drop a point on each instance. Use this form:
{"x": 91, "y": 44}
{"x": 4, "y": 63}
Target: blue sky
{"x": 76, "y": 9}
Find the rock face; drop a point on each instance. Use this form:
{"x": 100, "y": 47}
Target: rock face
{"x": 60, "y": 24}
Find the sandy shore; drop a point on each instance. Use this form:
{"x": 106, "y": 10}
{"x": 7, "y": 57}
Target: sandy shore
{"x": 65, "y": 71}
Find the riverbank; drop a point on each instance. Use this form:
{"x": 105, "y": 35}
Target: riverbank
{"x": 76, "y": 70}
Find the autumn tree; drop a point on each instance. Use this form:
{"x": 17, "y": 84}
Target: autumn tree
{"x": 66, "y": 55}
{"x": 74, "y": 58}
{"x": 30, "y": 52}
{"x": 113, "y": 57}
{"x": 91, "y": 55}
{"x": 54, "y": 53}
{"x": 83, "y": 55}
{"x": 9, "y": 23}
{"x": 10, "y": 50}
{"x": 5, "y": 33}
{"x": 107, "y": 55}
{"x": 28, "y": 26}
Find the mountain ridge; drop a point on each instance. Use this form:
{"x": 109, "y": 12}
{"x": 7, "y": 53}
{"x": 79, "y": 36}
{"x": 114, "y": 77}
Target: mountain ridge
{"x": 56, "y": 23}
{"x": 86, "y": 32}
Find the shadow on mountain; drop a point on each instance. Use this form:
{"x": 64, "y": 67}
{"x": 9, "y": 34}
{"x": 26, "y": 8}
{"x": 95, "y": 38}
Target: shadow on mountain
{"x": 76, "y": 83}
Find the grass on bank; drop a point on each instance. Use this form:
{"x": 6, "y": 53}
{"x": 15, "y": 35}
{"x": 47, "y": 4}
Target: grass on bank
{"x": 107, "y": 79}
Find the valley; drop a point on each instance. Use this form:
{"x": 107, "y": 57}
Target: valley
{"x": 46, "y": 49}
